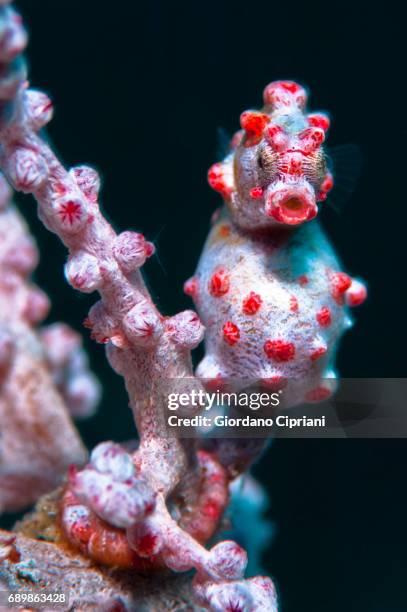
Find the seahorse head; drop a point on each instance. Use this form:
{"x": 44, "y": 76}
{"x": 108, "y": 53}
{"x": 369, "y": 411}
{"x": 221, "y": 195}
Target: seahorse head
{"x": 276, "y": 171}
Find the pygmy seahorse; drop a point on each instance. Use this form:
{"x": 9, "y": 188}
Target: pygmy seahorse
{"x": 269, "y": 287}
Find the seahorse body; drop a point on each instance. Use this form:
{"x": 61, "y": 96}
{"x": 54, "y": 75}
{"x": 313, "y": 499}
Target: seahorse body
{"x": 269, "y": 288}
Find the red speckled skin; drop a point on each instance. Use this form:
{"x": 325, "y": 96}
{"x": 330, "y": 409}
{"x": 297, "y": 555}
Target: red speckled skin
{"x": 272, "y": 269}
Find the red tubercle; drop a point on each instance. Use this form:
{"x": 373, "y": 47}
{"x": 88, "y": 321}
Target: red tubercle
{"x": 311, "y": 139}
{"x": 274, "y": 130}
{"x": 191, "y": 287}
{"x": 284, "y": 93}
{"x": 231, "y": 333}
{"x": 356, "y": 294}
{"x": 277, "y": 138}
{"x": 319, "y": 394}
{"x": 340, "y": 282}
{"x": 219, "y": 283}
{"x": 216, "y": 383}
{"x": 256, "y": 193}
{"x": 217, "y": 179}
{"x": 293, "y": 304}
{"x": 318, "y": 353}
{"x": 303, "y": 280}
{"x": 326, "y": 186}
{"x": 290, "y": 86}
{"x": 279, "y": 350}
{"x": 149, "y": 248}
{"x": 328, "y": 182}
{"x": 324, "y": 316}
{"x": 274, "y": 383}
{"x": 252, "y": 303}
{"x": 253, "y": 123}
{"x": 319, "y": 120}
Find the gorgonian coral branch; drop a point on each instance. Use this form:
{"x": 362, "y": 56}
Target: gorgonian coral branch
{"x": 117, "y": 509}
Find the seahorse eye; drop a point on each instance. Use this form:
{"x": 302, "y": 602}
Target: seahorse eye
{"x": 266, "y": 162}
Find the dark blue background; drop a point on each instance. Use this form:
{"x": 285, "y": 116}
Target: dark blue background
{"x": 140, "y": 89}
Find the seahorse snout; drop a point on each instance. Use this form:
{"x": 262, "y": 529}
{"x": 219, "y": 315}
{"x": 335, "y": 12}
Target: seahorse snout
{"x": 291, "y": 204}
